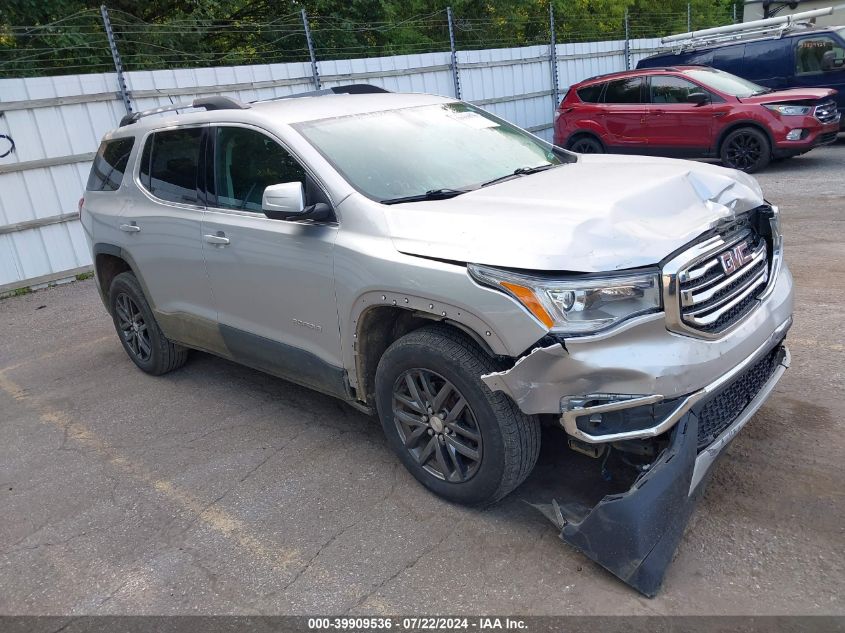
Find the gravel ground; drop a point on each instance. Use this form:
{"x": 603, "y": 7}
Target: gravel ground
{"x": 218, "y": 489}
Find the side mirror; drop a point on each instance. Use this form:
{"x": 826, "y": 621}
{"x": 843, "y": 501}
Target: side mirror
{"x": 698, "y": 98}
{"x": 283, "y": 200}
{"x": 829, "y": 61}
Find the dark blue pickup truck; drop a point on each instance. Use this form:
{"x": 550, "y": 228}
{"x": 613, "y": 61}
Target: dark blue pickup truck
{"x": 806, "y": 57}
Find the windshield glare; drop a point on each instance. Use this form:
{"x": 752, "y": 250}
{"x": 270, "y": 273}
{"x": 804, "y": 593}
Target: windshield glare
{"x": 409, "y": 151}
{"x": 726, "y": 82}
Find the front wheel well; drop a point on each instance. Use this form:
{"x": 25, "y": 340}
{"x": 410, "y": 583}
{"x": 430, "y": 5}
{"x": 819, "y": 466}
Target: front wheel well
{"x": 741, "y": 124}
{"x": 379, "y": 327}
{"x": 582, "y": 133}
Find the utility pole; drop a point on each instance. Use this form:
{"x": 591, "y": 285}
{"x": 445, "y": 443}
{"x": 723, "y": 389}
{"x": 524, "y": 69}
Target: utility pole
{"x": 115, "y": 55}
{"x": 314, "y": 72}
{"x": 455, "y": 76}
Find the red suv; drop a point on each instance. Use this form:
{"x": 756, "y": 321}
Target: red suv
{"x": 694, "y": 111}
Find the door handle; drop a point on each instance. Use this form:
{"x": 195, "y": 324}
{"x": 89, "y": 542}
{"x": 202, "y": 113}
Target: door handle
{"x": 130, "y": 228}
{"x": 218, "y": 240}
{"x": 658, "y": 112}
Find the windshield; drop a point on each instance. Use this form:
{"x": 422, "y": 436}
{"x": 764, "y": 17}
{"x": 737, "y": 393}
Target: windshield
{"x": 726, "y": 82}
{"x": 411, "y": 151}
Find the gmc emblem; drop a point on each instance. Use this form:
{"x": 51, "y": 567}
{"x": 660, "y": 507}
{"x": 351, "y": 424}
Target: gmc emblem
{"x": 735, "y": 258}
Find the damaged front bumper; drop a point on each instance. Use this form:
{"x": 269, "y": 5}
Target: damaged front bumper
{"x": 642, "y": 384}
{"x": 634, "y": 534}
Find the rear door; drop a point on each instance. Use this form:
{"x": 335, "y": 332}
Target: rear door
{"x": 161, "y": 225}
{"x": 624, "y": 115}
{"x": 676, "y": 126}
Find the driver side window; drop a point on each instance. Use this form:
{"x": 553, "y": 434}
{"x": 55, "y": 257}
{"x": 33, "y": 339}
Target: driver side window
{"x": 818, "y": 54}
{"x": 245, "y": 163}
{"x": 669, "y": 89}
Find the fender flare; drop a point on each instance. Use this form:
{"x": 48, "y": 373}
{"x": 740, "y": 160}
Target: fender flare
{"x": 584, "y": 131}
{"x": 436, "y": 310}
{"x": 106, "y": 248}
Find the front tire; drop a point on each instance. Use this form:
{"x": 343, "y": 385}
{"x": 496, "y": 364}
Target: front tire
{"x": 459, "y": 439}
{"x": 139, "y": 333}
{"x": 747, "y": 149}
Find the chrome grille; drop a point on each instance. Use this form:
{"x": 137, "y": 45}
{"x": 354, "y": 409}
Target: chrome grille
{"x": 826, "y": 112}
{"x": 712, "y": 299}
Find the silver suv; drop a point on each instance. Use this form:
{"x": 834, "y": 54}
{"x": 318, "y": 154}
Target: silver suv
{"x": 421, "y": 258}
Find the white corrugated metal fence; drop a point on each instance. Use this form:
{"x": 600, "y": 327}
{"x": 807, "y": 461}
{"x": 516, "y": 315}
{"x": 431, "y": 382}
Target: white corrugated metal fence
{"x": 56, "y": 124}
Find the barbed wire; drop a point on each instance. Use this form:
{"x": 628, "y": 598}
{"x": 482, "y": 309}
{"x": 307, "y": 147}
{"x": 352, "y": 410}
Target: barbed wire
{"x": 78, "y": 41}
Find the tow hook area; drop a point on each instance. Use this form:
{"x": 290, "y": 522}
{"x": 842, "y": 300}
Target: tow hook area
{"x": 634, "y": 534}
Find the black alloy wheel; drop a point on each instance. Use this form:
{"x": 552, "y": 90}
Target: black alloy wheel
{"x": 437, "y": 425}
{"x": 139, "y": 332}
{"x": 746, "y": 149}
{"x": 133, "y": 329}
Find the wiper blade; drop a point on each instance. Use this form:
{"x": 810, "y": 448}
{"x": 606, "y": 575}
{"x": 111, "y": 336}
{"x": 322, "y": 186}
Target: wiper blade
{"x": 520, "y": 171}
{"x": 764, "y": 91}
{"x": 433, "y": 194}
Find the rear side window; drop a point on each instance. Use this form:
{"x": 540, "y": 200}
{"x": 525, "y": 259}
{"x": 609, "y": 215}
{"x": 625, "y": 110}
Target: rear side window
{"x": 590, "y": 94}
{"x": 624, "y": 91}
{"x": 110, "y": 164}
{"x": 169, "y": 164}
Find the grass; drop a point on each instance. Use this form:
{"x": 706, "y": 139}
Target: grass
{"x": 19, "y": 292}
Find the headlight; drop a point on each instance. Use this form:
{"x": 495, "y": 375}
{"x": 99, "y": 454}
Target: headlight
{"x": 581, "y": 306}
{"x": 790, "y": 110}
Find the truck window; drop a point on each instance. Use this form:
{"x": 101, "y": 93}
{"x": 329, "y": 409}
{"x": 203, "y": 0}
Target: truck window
{"x": 624, "y": 91}
{"x": 818, "y": 54}
{"x": 109, "y": 165}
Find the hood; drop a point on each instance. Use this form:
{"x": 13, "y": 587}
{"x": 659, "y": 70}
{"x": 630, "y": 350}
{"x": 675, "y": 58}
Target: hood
{"x": 601, "y": 213}
{"x": 794, "y": 94}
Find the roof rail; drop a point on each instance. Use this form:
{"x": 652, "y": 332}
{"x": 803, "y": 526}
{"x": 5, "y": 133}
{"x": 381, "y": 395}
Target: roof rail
{"x": 350, "y": 89}
{"x": 215, "y": 102}
{"x": 759, "y": 28}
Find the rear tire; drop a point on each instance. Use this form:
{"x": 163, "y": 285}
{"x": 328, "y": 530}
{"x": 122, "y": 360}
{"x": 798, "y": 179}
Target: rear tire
{"x": 459, "y": 439}
{"x": 139, "y": 333}
{"x": 585, "y": 144}
{"x": 747, "y": 149}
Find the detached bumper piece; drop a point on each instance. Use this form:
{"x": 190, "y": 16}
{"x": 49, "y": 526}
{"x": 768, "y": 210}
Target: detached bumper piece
{"x": 634, "y": 534}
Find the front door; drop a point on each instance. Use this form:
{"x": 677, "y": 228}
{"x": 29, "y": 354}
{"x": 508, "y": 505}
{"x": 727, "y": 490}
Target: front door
{"x": 676, "y": 126}
{"x": 271, "y": 280}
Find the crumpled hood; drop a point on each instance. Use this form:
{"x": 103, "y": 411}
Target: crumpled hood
{"x": 601, "y": 213}
{"x": 793, "y": 94}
